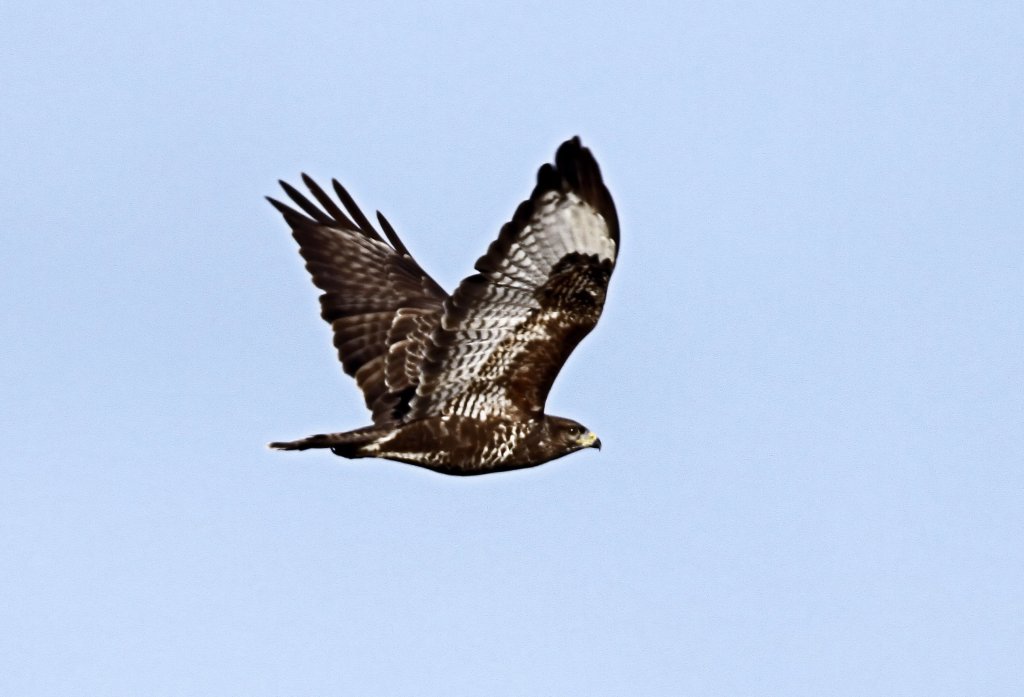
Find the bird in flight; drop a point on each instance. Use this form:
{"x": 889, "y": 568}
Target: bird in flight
{"x": 457, "y": 383}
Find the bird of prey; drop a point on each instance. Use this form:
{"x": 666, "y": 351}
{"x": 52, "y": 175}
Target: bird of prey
{"x": 457, "y": 383}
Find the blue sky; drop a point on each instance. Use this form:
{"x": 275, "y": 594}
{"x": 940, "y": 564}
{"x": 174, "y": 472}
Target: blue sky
{"x": 808, "y": 378}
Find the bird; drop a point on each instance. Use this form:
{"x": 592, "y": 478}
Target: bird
{"x": 457, "y": 383}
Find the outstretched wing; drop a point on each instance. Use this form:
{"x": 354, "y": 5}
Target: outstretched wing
{"x": 507, "y": 330}
{"x": 381, "y": 305}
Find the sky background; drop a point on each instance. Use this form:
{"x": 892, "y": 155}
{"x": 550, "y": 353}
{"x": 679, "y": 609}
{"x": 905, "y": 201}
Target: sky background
{"x": 809, "y": 377}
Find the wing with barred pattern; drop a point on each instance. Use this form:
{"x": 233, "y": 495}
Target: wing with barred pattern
{"x": 506, "y": 331}
{"x": 380, "y": 304}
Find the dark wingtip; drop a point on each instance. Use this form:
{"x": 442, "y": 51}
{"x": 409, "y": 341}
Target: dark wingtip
{"x": 568, "y": 148}
{"x": 578, "y": 167}
{"x": 284, "y": 209}
{"x": 392, "y": 236}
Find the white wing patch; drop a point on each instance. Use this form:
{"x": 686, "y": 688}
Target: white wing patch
{"x": 492, "y": 322}
{"x": 562, "y": 224}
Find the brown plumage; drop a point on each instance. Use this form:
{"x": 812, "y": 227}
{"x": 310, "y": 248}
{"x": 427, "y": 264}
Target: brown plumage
{"x": 457, "y": 383}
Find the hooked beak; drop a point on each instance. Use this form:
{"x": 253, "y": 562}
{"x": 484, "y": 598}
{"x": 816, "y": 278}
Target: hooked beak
{"x": 590, "y": 440}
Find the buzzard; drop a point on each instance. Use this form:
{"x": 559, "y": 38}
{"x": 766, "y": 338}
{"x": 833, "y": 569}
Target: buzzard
{"x": 457, "y": 383}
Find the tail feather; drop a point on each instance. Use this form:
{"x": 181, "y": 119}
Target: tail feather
{"x": 346, "y": 444}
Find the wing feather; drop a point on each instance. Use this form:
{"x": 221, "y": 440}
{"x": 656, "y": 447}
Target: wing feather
{"x": 381, "y": 305}
{"x": 506, "y": 331}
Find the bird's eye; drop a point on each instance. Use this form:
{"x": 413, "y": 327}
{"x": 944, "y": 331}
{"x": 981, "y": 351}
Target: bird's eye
{"x": 574, "y": 430}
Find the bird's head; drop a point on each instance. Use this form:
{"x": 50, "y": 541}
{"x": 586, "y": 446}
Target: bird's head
{"x": 571, "y": 436}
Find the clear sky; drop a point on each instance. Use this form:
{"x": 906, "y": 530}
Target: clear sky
{"x": 809, "y": 378}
